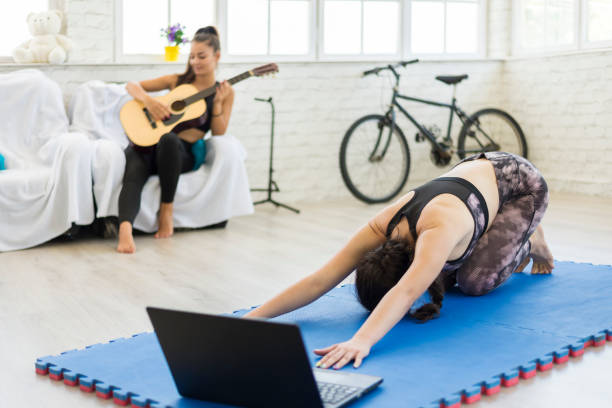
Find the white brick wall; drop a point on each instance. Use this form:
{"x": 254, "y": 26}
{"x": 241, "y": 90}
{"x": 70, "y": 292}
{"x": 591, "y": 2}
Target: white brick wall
{"x": 499, "y": 28}
{"x": 561, "y": 102}
{"x": 91, "y": 24}
{"x": 564, "y": 105}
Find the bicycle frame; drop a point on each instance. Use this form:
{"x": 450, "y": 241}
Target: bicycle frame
{"x": 390, "y": 114}
{"x": 452, "y": 107}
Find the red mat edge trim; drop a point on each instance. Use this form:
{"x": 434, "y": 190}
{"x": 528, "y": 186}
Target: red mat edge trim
{"x": 121, "y": 402}
{"x": 464, "y": 399}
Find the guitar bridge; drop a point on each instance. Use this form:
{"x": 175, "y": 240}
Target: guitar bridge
{"x": 149, "y": 118}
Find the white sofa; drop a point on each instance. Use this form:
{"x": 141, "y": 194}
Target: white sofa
{"x": 215, "y": 192}
{"x": 47, "y": 184}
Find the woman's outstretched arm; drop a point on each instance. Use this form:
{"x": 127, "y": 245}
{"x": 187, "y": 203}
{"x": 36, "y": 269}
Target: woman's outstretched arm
{"x": 323, "y": 280}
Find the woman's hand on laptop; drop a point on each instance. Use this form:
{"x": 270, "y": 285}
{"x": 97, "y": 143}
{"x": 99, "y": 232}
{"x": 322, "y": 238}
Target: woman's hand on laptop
{"x": 338, "y": 355}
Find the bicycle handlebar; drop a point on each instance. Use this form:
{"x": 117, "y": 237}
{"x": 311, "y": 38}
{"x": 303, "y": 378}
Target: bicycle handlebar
{"x": 389, "y": 67}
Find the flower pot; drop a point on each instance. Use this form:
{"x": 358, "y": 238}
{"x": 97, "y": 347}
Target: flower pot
{"x": 172, "y": 53}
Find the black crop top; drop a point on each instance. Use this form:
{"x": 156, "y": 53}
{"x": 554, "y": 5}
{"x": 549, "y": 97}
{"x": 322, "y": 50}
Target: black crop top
{"x": 456, "y": 186}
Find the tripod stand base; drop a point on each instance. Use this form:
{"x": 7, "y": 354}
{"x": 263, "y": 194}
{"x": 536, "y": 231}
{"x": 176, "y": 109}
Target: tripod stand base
{"x": 276, "y": 203}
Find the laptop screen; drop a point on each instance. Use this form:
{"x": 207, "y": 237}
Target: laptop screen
{"x": 236, "y": 361}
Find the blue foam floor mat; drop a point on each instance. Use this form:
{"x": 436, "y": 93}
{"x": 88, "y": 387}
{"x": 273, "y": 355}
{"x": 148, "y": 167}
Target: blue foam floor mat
{"x": 476, "y": 345}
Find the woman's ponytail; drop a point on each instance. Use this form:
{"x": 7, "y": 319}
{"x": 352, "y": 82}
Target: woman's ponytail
{"x": 436, "y": 292}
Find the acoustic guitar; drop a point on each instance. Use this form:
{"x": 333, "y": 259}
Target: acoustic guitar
{"x": 185, "y": 102}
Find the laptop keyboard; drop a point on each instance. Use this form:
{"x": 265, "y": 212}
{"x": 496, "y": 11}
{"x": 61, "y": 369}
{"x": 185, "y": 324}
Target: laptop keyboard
{"x": 334, "y": 393}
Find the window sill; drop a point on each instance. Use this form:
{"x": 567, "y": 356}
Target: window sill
{"x": 250, "y": 62}
{"x": 85, "y": 64}
{"x": 557, "y": 54}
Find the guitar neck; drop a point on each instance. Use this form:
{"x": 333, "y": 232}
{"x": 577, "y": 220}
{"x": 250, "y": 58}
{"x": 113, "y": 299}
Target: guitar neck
{"x": 209, "y": 91}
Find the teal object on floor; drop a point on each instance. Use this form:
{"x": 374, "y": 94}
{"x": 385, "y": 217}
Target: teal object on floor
{"x": 198, "y": 149}
{"x": 477, "y": 345}
{"x": 2, "y": 166}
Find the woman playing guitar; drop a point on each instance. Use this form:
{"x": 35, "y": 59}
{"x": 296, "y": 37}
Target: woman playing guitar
{"x": 172, "y": 155}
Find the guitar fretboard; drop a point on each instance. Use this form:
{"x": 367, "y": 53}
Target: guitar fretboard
{"x": 209, "y": 91}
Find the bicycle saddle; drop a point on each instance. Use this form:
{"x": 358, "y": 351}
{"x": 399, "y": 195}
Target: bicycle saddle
{"x": 451, "y": 79}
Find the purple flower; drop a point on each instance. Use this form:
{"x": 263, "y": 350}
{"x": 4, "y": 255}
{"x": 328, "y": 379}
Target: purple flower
{"x": 174, "y": 34}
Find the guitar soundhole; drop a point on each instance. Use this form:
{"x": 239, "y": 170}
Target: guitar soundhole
{"x": 178, "y": 105}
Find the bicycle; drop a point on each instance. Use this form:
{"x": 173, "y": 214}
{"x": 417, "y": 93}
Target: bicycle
{"x": 375, "y": 168}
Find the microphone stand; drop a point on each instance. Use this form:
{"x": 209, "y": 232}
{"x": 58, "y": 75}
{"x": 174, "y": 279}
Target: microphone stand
{"x": 272, "y": 186}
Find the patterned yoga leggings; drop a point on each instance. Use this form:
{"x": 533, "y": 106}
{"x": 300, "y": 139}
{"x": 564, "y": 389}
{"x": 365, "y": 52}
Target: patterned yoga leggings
{"x": 523, "y": 198}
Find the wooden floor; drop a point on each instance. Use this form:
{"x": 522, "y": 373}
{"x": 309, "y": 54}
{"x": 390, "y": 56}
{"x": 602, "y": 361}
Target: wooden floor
{"x": 68, "y": 295}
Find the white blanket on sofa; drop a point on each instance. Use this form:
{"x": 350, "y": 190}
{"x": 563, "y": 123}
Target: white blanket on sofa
{"x": 47, "y": 184}
{"x": 215, "y": 192}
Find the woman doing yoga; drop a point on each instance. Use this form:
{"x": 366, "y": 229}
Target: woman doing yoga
{"x": 172, "y": 155}
{"x": 473, "y": 227}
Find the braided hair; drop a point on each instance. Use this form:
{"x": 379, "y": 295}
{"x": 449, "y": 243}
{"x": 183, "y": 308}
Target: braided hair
{"x": 380, "y": 270}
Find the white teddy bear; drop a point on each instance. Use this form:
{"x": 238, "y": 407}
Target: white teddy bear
{"x": 47, "y": 45}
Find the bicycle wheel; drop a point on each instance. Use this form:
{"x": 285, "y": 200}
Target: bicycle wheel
{"x": 491, "y": 130}
{"x": 374, "y": 159}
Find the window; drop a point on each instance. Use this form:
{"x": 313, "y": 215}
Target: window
{"x": 269, "y": 27}
{"x": 553, "y": 25}
{"x": 445, "y": 26}
{"x": 141, "y": 21}
{"x": 547, "y": 24}
{"x": 193, "y": 14}
{"x": 14, "y": 28}
{"x": 598, "y": 16}
{"x": 307, "y": 30}
{"x": 361, "y": 27}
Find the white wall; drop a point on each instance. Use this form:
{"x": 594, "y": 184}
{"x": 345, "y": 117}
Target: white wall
{"x": 499, "y": 28}
{"x": 316, "y": 103}
{"x": 564, "y": 105}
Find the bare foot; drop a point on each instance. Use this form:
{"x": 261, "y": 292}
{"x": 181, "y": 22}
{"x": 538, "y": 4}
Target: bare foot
{"x": 166, "y": 226}
{"x": 126, "y": 243}
{"x": 543, "y": 262}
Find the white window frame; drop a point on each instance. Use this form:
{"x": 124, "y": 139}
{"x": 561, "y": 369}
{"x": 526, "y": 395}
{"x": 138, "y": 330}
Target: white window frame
{"x": 122, "y": 58}
{"x": 579, "y": 44}
{"x": 361, "y": 56}
{"x": 584, "y": 30}
{"x": 481, "y": 47}
{"x": 226, "y": 57}
{"x": 517, "y": 48}
{"x": 315, "y": 53}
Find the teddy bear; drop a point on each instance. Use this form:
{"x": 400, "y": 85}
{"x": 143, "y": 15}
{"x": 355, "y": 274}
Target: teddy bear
{"x": 47, "y": 45}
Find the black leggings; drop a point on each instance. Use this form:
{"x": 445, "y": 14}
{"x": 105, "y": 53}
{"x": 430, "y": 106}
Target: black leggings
{"x": 170, "y": 157}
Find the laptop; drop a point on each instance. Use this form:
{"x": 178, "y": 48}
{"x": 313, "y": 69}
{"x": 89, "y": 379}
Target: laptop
{"x": 248, "y": 362}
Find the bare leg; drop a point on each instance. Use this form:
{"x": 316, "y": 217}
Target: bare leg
{"x": 126, "y": 240}
{"x": 166, "y": 226}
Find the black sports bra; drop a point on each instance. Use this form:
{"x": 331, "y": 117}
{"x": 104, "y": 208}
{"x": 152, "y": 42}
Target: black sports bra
{"x": 456, "y": 186}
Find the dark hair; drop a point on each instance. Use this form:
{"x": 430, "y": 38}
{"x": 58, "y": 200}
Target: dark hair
{"x": 379, "y": 270}
{"x": 208, "y": 35}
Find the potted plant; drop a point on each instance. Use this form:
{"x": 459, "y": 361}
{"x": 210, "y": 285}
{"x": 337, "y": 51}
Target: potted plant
{"x": 174, "y": 34}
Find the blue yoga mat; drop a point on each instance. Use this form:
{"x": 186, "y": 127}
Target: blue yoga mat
{"x": 475, "y": 345}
